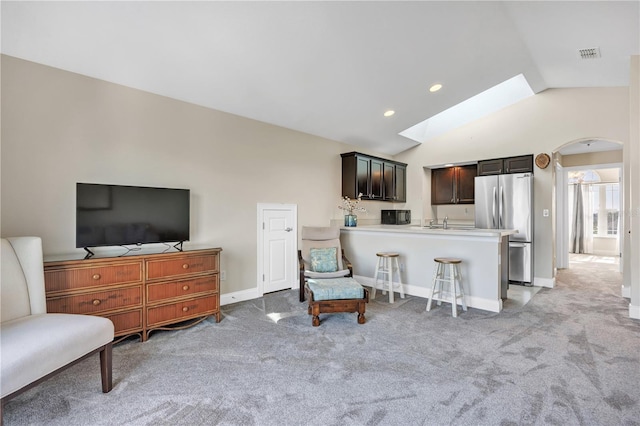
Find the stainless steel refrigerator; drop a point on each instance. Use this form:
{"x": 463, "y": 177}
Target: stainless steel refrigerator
{"x": 506, "y": 202}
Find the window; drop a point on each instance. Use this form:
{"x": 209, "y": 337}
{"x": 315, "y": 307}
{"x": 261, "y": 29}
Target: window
{"x": 605, "y": 206}
{"x": 612, "y": 191}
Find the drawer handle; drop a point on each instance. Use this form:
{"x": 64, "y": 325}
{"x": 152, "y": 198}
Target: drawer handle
{"x": 185, "y": 309}
{"x": 185, "y": 287}
{"x": 96, "y": 276}
{"x": 185, "y": 266}
{"x": 96, "y": 302}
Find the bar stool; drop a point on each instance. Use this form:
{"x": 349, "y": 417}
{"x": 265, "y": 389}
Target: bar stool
{"x": 387, "y": 264}
{"x": 447, "y": 271}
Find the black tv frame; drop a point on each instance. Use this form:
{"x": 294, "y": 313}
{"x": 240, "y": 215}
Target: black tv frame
{"x": 101, "y": 199}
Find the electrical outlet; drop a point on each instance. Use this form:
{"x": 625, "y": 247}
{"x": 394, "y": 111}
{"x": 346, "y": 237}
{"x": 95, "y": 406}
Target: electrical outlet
{"x": 223, "y": 275}
{"x": 545, "y": 212}
{"x": 402, "y": 267}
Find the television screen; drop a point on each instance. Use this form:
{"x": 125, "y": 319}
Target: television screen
{"x": 109, "y": 215}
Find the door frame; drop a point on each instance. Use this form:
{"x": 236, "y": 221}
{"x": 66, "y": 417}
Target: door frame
{"x": 562, "y": 220}
{"x": 262, "y": 207}
{"x": 562, "y": 206}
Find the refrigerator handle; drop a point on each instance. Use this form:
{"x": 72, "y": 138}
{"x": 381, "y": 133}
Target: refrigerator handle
{"x": 493, "y": 208}
{"x": 501, "y": 207}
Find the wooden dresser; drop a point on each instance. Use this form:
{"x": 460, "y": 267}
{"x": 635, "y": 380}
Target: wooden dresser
{"x": 139, "y": 293}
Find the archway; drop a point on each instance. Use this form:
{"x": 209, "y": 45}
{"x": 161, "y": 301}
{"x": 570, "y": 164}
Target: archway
{"x": 578, "y": 157}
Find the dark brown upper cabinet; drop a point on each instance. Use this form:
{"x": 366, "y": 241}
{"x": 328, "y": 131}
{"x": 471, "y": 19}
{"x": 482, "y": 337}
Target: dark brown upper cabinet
{"x": 394, "y": 179}
{"x": 375, "y": 178}
{"x": 499, "y": 166}
{"x": 453, "y": 185}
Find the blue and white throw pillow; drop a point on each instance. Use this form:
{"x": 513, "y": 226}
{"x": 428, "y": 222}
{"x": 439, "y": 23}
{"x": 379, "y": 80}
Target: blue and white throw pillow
{"x": 324, "y": 259}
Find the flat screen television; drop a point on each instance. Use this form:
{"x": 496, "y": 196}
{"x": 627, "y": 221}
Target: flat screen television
{"x": 112, "y": 215}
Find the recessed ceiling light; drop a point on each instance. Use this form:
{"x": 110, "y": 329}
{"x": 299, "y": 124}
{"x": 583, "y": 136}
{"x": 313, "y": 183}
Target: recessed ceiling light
{"x": 389, "y": 113}
{"x": 435, "y": 87}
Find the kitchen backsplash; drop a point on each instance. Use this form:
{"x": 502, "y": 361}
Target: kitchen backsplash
{"x": 459, "y": 212}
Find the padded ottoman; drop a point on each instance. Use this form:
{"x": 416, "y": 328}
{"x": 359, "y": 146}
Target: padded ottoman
{"x": 332, "y": 295}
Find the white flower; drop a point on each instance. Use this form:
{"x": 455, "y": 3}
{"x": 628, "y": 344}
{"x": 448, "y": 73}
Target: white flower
{"x": 351, "y": 206}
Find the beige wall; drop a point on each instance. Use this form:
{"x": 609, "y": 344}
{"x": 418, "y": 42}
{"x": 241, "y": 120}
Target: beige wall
{"x": 60, "y": 128}
{"x": 607, "y": 157}
{"x": 541, "y": 123}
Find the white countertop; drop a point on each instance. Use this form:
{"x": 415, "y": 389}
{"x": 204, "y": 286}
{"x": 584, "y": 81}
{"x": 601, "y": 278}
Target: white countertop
{"x": 414, "y": 229}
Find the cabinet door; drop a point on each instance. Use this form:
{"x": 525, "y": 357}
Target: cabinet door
{"x": 389, "y": 180}
{"x": 522, "y": 164}
{"x": 375, "y": 178}
{"x": 377, "y": 172}
{"x": 363, "y": 182}
{"x": 442, "y": 186}
{"x": 490, "y": 167}
{"x": 401, "y": 183}
{"x": 465, "y": 184}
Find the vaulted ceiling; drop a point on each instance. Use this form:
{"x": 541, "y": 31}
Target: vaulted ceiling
{"x": 329, "y": 68}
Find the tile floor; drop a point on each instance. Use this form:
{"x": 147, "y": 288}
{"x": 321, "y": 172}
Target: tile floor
{"x": 580, "y": 259}
{"x": 520, "y": 295}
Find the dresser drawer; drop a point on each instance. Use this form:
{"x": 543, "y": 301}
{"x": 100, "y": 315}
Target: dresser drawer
{"x": 165, "y": 314}
{"x": 93, "y": 276}
{"x": 100, "y": 301}
{"x": 126, "y": 322}
{"x": 162, "y": 291}
{"x": 163, "y": 268}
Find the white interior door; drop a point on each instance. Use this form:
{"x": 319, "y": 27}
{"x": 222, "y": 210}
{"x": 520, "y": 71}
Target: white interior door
{"x": 278, "y": 237}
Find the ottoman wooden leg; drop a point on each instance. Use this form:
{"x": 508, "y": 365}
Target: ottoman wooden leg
{"x": 315, "y": 312}
{"x": 361, "y": 318}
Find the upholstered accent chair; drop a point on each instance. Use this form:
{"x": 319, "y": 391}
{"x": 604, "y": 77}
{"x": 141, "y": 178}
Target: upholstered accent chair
{"x": 36, "y": 345}
{"x": 321, "y": 255}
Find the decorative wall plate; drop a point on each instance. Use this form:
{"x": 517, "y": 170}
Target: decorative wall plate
{"x": 542, "y": 160}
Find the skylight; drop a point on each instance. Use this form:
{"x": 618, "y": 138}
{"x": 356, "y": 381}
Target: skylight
{"x": 491, "y": 100}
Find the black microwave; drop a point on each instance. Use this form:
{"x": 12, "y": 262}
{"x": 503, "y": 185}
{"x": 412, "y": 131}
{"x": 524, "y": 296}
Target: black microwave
{"x": 396, "y": 217}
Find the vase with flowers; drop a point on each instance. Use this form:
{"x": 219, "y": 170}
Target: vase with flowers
{"x": 350, "y": 206}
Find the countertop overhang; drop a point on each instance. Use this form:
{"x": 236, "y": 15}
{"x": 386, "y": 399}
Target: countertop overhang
{"x": 419, "y": 230}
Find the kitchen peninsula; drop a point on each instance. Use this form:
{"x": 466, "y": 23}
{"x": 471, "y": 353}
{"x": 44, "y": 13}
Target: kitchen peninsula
{"x": 484, "y": 254}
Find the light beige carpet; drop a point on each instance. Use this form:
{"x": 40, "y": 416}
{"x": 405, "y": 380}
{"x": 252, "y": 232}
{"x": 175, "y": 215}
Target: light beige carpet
{"x": 568, "y": 357}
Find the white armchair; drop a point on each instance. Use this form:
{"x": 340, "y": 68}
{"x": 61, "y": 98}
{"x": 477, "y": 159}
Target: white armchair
{"x": 35, "y": 345}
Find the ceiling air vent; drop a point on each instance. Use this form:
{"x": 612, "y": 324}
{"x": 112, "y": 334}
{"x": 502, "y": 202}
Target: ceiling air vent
{"x": 591, "y": 53}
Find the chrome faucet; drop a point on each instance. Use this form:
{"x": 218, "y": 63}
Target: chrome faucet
{"x": 445, "y": 222}
{"x": 431, "y": 223}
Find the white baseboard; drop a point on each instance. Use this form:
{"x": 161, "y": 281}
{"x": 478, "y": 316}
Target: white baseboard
{"x": 412, "y": 290}
{"x": 239, "y": 296}
{"x": 626, "y": 292}
{"x": 544, "y": 282}
{"x": 634, "y": 311}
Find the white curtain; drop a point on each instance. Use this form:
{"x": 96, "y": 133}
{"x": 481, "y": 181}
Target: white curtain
{"x": 581, "y": 215}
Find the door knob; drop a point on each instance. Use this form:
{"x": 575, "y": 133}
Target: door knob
{"x": 288, "y": 229}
